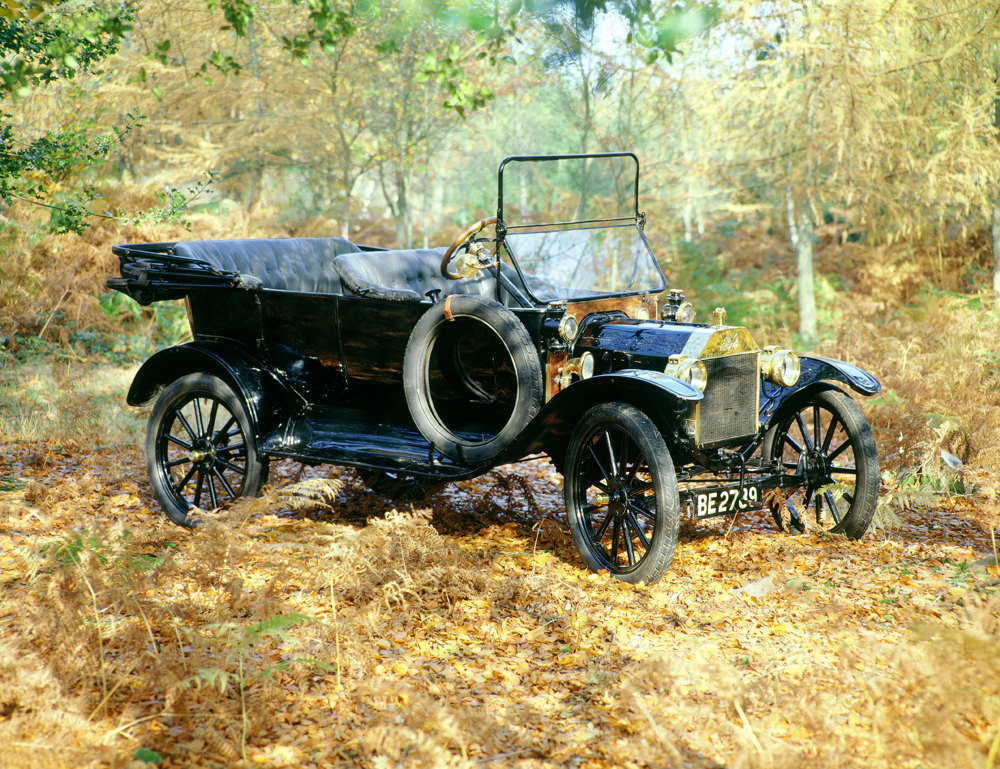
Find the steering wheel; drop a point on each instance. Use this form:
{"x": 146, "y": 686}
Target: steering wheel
{"x": 463, "y": 240}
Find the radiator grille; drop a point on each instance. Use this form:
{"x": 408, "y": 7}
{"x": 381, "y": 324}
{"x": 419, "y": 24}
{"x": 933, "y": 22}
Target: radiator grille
{"x": 729, "y": 409}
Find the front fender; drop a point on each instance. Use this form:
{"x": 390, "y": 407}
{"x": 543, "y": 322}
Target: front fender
{"x": 662, "y": 397}
{"x": 235, "y": 365}
{"x": 817, "y": 374}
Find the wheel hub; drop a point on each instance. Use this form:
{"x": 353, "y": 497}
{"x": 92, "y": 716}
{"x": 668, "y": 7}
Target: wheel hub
{"x": 618, "y": 501}
{"x": 815, "y": 470}
{"x": 203, "y": 453}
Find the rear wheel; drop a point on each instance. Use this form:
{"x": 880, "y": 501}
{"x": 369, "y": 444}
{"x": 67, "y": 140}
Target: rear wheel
{"x": 826, "y": 451}
{"x": 621, "y": 493}
{"x": 200, "y": 448}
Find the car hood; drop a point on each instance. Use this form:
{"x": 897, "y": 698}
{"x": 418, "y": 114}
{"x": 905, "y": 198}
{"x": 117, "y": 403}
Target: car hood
{"x": 650, "y": 343}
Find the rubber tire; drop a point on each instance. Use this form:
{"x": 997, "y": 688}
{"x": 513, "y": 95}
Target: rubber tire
{"x": 416, "y": 367}
{"x": 173, "y": 398}
{"x": 859, "y": 434}
{"x": 644, "y": 433}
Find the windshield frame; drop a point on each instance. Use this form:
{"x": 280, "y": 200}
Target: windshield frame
{"x": 635, "y": 217}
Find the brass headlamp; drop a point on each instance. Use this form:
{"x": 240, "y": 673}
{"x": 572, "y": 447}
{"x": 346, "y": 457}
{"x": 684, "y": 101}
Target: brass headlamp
{"x": 690, "y": 370}
{"x": 780, "y": 366}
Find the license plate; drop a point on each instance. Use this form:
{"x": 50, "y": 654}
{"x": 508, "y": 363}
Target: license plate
{"x": 722, "y": 500}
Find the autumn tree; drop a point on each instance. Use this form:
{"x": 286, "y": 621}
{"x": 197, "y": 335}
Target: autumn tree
{"x": 879, "y": 109}
{"x": 40, "y": 162}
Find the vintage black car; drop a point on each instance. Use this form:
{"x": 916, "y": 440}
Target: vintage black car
{"x": 557, "y": 335}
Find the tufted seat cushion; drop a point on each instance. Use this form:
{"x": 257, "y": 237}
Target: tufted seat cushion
{"x": 405, "y": 276}
{"x": 305, "y": 265}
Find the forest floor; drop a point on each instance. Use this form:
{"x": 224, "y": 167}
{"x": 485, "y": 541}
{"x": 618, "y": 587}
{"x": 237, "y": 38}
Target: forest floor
{"x": 470, "y": 634}
{"x": 466, "y": 631}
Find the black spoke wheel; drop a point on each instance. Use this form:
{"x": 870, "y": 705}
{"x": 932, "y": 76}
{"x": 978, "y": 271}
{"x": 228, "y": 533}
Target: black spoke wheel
{"x": 200, "y": 448}
{"x": 621, "y": 493}
{"x": 825, "y": 449}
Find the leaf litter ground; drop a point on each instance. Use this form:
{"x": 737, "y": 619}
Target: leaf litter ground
{"x": 463, "y": 630}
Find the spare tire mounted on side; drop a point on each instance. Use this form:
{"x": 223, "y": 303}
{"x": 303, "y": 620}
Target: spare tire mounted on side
{"x": 472, "y": 377}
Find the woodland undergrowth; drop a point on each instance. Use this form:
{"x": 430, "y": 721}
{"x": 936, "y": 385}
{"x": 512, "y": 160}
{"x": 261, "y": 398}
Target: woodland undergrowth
{"x": 321, "y": 626}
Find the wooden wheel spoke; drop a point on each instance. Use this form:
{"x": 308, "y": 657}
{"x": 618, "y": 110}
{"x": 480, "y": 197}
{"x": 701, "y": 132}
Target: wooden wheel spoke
{"x": 230, "y": 449}
{"x": 603, "y": 528}
{"x": 634, "y": 524}
{"x": 223, "y": 433}
{"x": 197, "y": 489}
{"x": 230, "y": 466}
{"x": 790, "y": 441}
{"x": 629, "y": 548}
{"x": 225, "y": 484}
{"x": 187, "y": 426}
{"x": 833, "y": 469}
{"x": 636, "y": 491}
{"x": 829, "y": 433}
{"x": 633, "y": 472}
{"x": 211, "y": 417}
{"x": 198, "y": 420}
{"x": 804, "y": 430}
{"x": 176, "y": 462}
{"x": 623, "y": 454}
{"x": 611, "y": 456}
{"x": 186, "y": 479}
{"x": 816, "y": 425}
{"x": 600, "y": 467}
{"x": 838, "y": 451}
{"x": 642, "y": 511}
{"x": 182, "y": 443}
{"x": 211, "y": 491}
{"x": 615, "y": 534}
{"x": 832, "y": 504}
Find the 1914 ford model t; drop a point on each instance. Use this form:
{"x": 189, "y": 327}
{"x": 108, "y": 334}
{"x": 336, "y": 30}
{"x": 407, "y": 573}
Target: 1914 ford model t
{"x": 437, "y": 365}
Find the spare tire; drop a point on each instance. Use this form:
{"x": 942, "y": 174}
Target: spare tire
{"x": 472, "y": 377}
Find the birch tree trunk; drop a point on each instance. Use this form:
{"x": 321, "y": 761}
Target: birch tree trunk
{"x": 804, "y": 274}
{"x": 996, "y": 256}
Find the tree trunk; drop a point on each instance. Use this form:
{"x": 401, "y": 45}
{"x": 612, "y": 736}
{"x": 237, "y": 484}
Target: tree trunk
{"x": 996, "y": 256}
{"x": 804, "y": 274}
{"x": 404, "y": 232}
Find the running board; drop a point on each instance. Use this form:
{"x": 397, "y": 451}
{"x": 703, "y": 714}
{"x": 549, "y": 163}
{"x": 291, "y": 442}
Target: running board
{"x": 356, "y": 438}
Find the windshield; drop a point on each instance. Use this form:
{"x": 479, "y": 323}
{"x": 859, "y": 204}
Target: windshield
{"x": 572, "y": 226}
{"x": 585, "y": 262}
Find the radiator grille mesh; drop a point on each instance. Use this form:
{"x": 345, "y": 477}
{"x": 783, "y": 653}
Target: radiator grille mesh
{"x": 729, "y": 409}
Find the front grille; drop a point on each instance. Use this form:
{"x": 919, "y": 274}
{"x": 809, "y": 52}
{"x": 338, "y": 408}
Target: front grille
{"x": 729, "y": 409}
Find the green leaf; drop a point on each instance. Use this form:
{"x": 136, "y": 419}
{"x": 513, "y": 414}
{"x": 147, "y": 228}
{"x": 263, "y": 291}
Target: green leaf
{"x": 147, "y": 756}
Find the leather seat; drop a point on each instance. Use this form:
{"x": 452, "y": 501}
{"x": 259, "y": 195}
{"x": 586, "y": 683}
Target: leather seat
{"x": 304, "y": 265}
{"x": 406, "y": 276}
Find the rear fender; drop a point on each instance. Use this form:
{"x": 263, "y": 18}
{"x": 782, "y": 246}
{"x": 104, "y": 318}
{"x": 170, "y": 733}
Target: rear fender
{"x": 665, "y": 399}
{"x": 817, "y": 374}
{"x": 235, "y": 365}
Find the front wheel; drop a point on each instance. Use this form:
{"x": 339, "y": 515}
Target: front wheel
{"x": 621, "y": 493}
{"x": 825, "y": 449}
{"x": 200, "y": 448}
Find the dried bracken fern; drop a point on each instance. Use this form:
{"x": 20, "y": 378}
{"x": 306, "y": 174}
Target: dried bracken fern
{"x": 402, "y": 560}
